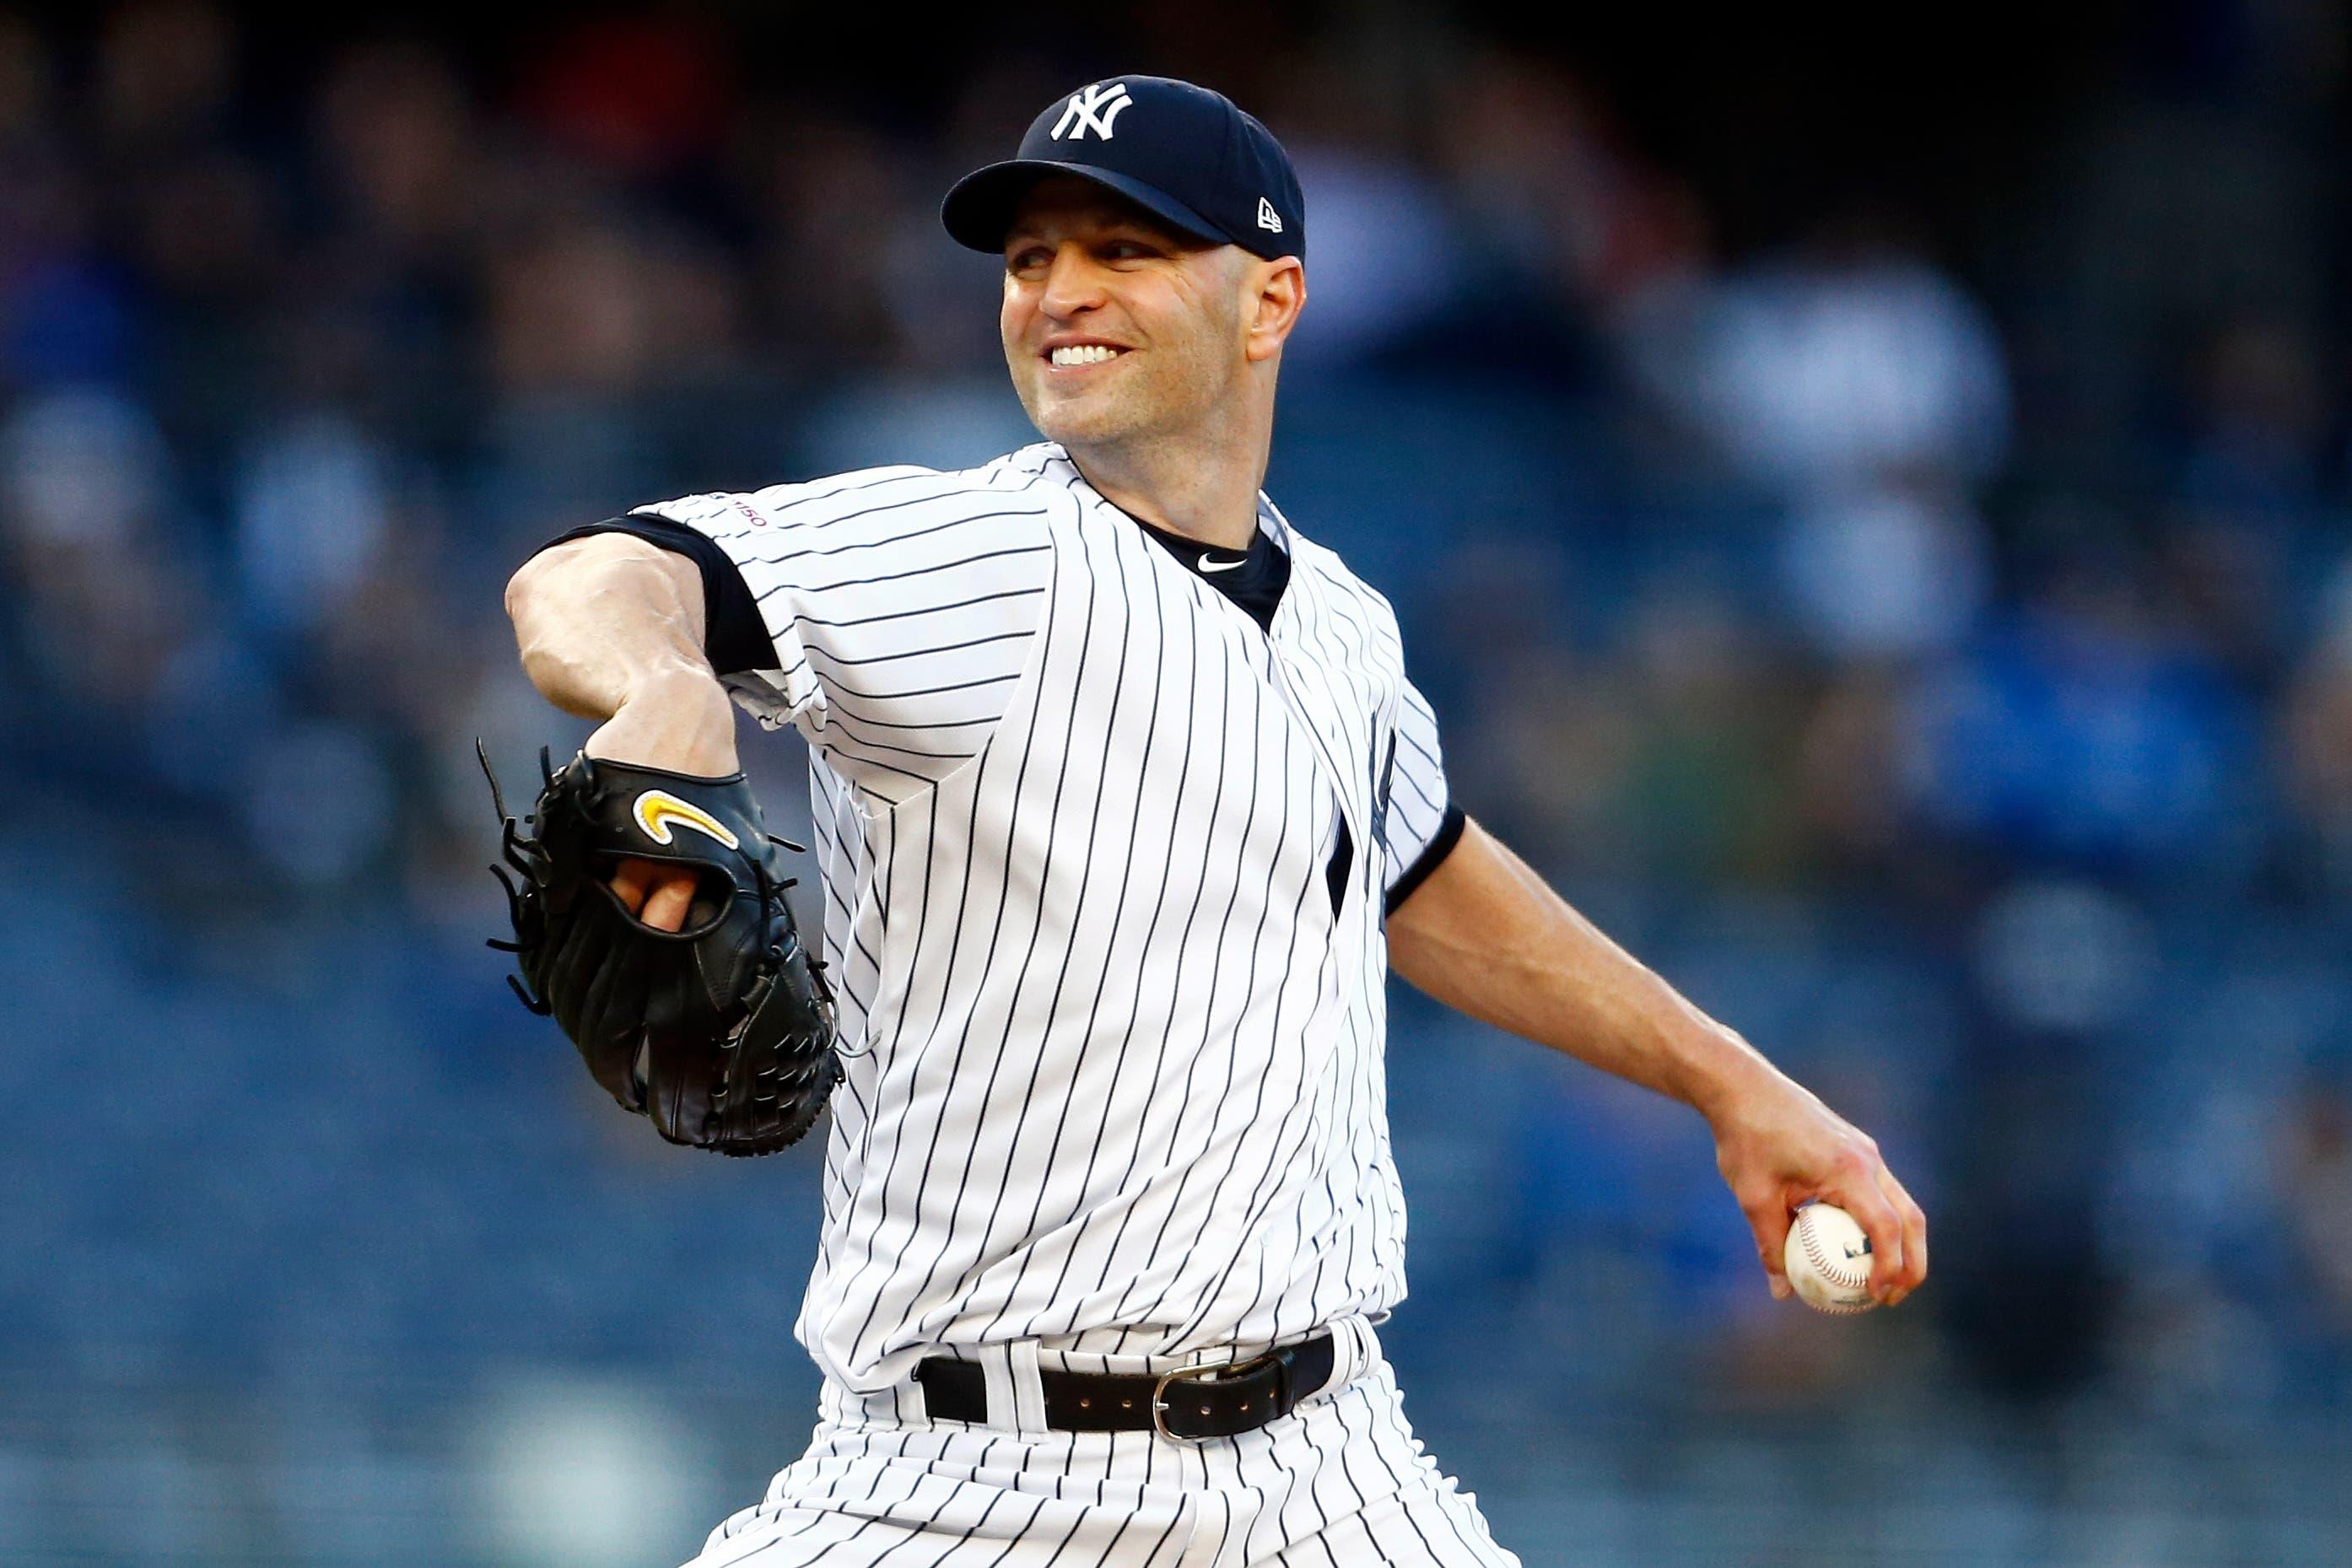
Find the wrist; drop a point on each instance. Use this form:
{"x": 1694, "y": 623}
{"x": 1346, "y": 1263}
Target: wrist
{"x": 1721, "y": 1073}
{"x": 678, "y": 719}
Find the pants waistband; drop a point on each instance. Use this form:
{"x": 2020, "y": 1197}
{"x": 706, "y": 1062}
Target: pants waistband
{"x": 1016, "y": 1400}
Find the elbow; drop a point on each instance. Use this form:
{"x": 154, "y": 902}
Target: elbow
{"x": 597, "y": 619}
{"x": 548, "y": 675}
{"x": 535, "y": 596}
{"x": 526, "y": 593}
{"x": 526, "y": 590}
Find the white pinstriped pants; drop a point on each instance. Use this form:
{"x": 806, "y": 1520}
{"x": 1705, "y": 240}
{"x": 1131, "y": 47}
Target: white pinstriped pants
{"x": 1339, "y": 1483}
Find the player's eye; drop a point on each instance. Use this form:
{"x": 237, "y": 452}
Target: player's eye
{"x": 1030, "y": 258}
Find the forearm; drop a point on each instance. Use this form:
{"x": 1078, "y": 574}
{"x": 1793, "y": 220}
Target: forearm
{"x": 1486, "y": 936}
{"x": 610, "y": 628}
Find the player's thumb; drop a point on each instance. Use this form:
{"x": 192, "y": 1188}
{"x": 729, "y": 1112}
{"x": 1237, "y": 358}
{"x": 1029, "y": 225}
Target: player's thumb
{"x": 1770, "y": 1219}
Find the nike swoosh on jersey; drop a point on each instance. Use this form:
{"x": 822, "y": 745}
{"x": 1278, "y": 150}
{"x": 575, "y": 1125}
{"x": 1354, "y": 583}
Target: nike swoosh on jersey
{"x": 1208, "y": 564}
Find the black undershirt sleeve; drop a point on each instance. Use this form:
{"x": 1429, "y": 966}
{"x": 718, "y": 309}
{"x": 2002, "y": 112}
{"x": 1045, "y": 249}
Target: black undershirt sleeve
{"x": 734, "y": 636}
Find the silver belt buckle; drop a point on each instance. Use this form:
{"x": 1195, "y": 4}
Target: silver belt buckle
{"x": 1208, "y": 1374}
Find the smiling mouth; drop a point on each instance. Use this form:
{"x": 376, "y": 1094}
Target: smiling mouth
{"x": 1072, "y": 355}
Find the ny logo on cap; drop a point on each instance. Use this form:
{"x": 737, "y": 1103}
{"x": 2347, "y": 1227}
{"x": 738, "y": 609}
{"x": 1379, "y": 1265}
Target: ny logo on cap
{"x": 1092, "y": 108}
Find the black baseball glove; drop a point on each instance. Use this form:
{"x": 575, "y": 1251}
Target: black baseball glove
{"x": 721, "y": 1032}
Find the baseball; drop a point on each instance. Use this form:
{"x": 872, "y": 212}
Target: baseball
{"x": 1828, "y": 1259}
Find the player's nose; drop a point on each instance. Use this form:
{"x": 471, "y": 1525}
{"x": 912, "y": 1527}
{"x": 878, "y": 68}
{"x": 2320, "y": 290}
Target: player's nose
{"x": 1074, "y": 282}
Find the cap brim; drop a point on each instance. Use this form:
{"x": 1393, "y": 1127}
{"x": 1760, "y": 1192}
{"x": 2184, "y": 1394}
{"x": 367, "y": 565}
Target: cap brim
{"x": 979, "y": 209}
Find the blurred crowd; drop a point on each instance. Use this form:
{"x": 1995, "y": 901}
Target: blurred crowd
{"x": 1925, "y": 635}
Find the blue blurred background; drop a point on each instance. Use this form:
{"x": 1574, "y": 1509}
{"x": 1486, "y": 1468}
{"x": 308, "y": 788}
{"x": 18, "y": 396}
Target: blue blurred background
{"x": 1872, "y": 523}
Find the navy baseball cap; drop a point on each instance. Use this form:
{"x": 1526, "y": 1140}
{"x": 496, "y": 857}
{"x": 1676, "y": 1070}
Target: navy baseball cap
{"x": 1185, "y": 154}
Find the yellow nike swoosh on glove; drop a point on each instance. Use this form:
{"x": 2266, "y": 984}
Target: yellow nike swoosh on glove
{"x": 657, "y": 809}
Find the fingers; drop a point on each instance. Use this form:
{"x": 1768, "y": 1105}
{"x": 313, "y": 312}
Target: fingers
{"x": 1915, "y": 1237}
{"x": 631, "y": 880}
{"x": 658, "y": 894}
{"x": 666, "y": 904}
{"x": 1884, "y": 1226}
{"x": 1896, "y": 1227}
{"x": 1770, "y": 1217}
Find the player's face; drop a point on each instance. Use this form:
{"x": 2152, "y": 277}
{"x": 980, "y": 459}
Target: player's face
{"x": 1115, "y": 328}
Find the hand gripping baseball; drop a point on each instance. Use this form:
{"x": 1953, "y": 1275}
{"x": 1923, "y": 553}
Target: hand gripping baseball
{"x": 721, "y": 1032}
{"x": 1778, "y": 1146}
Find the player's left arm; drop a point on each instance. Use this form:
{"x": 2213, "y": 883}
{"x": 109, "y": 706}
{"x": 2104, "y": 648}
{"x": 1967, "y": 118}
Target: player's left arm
{"x": 1487, "y": 937}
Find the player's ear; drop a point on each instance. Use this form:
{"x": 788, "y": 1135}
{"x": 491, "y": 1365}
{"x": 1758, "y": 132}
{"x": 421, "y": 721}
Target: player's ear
{"x": 1277, "y": 292}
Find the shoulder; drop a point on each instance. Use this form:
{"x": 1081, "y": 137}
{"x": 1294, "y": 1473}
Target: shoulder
{"x": 1335, "y": 581}
{"x": 892, "y": 497}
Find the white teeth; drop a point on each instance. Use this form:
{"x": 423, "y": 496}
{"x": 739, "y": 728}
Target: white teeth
{"x": 1083, "y": 354}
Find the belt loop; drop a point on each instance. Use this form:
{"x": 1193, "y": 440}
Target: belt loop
{"x": 1028, "y": 1391}
{"x": 1352, "y": 1354}
{"x": 996, "y": 1371}
{"x": 910, "y": 1401}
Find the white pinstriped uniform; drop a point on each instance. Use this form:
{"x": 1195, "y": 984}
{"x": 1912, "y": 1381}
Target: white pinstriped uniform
{"x": 1104, "y": 865}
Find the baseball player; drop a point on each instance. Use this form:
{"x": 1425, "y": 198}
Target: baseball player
{"x": 1124, "y": 807}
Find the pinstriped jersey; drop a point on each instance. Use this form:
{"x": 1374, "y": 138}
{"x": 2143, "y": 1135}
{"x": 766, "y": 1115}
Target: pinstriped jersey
{"x": 1104, "y": 862}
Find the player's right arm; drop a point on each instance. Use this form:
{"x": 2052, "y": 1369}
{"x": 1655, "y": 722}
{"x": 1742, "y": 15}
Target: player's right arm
{"x": 1470, "y": 923}
{"x": 610, "y": 628}
{"x": 1487, "y": 937}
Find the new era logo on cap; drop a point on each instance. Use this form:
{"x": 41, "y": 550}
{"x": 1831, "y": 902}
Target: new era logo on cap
{"x": 1094, "y": 109}
{"x": 1183, "y": 153}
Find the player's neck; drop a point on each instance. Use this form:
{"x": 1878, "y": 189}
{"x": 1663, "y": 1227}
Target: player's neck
{"x": 1207, "y": 496}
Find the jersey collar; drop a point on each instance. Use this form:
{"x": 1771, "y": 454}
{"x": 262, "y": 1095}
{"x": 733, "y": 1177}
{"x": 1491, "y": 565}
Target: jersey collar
{"x": 1052, "y": 458}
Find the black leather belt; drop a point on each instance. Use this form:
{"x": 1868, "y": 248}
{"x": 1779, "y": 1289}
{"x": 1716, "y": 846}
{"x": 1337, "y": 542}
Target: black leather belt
{"x": 1193, "y": 1403}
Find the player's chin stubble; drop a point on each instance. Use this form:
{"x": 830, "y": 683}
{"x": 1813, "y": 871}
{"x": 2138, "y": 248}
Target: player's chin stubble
{"x": 1133, "y": 405}
{"x": 1092, "y": 418}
